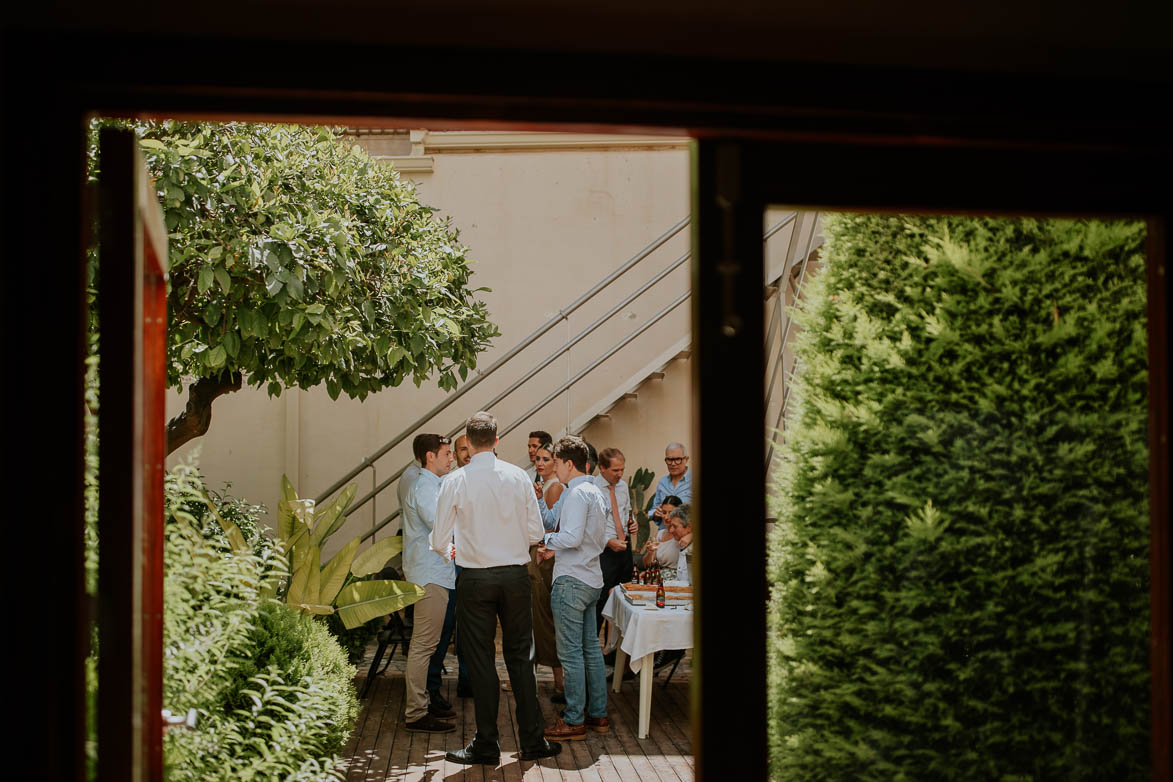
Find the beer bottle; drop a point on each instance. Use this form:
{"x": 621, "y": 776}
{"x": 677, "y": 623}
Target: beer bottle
{"x": 635, "y": 575}
{"x": 660, "y": 594}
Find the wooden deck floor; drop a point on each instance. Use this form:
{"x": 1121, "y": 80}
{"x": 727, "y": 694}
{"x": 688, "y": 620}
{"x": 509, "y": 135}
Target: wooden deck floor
{"x": 381, "y": 749}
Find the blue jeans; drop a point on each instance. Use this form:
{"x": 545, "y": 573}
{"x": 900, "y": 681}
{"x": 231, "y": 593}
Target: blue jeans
{"x": 577, "y": 638}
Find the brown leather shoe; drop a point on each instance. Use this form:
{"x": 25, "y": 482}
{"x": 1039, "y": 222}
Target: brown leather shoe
{"x": 598, "y": 724}
{"x": 429, "y": 724}
{"x": 563, "y": 732}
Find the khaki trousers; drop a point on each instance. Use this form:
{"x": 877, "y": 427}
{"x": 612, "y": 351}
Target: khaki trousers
{"x": 425, "y": 637}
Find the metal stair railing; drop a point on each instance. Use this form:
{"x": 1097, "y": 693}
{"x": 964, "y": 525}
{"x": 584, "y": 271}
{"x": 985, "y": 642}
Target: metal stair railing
{"x": 368, "y": 461}
{"x": 787, "y": 380}
{"x": 563, "y": 349}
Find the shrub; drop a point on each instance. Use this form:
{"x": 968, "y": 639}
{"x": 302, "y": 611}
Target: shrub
{"x": 273, "y": 688}
{"x": 960, "y": 568}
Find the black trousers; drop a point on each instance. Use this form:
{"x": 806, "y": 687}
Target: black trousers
{"x": 484, "y": 596}
{"x": 616, "y": 567}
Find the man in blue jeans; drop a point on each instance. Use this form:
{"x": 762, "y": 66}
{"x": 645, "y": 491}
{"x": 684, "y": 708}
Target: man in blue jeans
{"x": 578, "y": 579}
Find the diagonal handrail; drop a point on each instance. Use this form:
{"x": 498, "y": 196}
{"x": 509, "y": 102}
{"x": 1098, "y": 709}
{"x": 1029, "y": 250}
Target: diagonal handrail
{"x": 674, "y": 265}
{"x": 561, "y": 389}
{"x": 561, "y": 314}
{"x": 368, "y": 462}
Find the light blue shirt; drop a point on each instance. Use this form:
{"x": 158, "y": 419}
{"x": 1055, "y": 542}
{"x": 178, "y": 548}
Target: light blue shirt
{"x": 665, "y": 489}
{"x": 550, "y": 515}
{"x": 582, "y": 535}
{"x": 421, "y": 565}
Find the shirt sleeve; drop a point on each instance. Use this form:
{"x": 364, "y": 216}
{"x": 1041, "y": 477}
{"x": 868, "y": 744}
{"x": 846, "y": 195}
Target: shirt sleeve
{"x": 573, "y": 523}
{"x": 534, "y": 520}
{"x": 444, "y": 520}
{"x": 550, "y": 515}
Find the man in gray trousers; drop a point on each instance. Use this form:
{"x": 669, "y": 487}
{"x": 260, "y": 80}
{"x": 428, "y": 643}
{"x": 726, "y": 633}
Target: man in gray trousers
{"x": 487, "y": 518}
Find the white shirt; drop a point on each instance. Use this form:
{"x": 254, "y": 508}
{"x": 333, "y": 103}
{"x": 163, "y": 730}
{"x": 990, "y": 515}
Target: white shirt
{"x": 622, "y": 493}
{"x": 532, "y": 472}
{"x": 582, "y": 534}
{"x": 489, "y": 509}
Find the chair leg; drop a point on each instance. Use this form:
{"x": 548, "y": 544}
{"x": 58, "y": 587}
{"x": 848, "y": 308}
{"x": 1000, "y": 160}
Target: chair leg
{"x": 672, "y": 670}
{"x": 371, "y": 674}
{"x": 390, "y": 656}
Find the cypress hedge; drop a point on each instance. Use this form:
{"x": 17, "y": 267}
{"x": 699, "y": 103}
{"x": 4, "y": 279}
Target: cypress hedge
{"x": 959, "y": 572}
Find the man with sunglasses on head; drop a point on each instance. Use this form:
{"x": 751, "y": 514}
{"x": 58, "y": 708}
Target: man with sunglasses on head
{"x": 678, "y": 481}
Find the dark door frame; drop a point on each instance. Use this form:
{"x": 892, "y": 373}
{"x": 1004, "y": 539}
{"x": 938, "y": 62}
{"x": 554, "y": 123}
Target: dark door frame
{"x": 821, "y": 137}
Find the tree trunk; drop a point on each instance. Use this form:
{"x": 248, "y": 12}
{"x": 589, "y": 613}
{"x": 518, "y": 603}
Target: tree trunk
{"x": 194, "y": 420}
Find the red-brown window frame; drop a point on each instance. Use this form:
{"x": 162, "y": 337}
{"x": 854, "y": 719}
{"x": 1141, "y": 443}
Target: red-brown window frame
{"x": 1016, "y": 142}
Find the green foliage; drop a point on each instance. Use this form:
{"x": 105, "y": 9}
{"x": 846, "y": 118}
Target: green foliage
{"x": 638, "y": 487}
{"x": 297, "y": 259}
{"x": 272, "y": 687}
{"x": 960, "y": 566}
{"x": 354, "y": 641}
{"x": 339, "y": 585}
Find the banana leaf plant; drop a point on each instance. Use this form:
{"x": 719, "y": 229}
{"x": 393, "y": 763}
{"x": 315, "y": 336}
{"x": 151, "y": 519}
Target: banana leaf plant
{"x": 638, "y": 487}
{"x": 338, "y": 585}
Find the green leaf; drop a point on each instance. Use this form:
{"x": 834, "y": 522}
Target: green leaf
{"x": 373, "y": 558}
{"x": 216, "y": 356}
{"x": 362, "y": 601}
{"x": 206, "y": 277}
{"x": 150, "y": 143}
{"x": 335, "y": 572}
{"x": 295, "y": 288}
{"x": 283, "y": 232}
{"x": 212, "y": 314}
{"x": 329, "y": 519}
{"x": 287, "y": 491}
{"x": 223, "y": 278}
{"x": 232, "y": 343}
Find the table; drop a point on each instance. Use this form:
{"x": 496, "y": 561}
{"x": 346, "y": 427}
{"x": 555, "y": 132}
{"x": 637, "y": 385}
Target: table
{"x": 643, "y": 631}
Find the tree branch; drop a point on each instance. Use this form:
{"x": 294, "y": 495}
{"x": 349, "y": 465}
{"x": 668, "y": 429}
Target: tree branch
{"x": 193, "y": 422}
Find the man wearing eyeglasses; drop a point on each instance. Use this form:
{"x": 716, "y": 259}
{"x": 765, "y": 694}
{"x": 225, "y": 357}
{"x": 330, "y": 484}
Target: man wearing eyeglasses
{"x": 677, "y": 482}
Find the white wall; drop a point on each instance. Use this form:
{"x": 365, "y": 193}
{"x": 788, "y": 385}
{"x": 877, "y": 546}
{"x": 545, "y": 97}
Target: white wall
{"x": 543, "y": 223}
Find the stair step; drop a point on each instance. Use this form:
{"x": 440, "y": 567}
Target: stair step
{"x": 656, "y": 376}
{"x": 630, "y": 395}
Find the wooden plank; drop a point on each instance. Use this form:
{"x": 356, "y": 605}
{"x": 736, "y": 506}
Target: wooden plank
{"x": 367, "y": 731}
{"x": 513, "y": 768}
{"x": 390, "y": 752}
{"x": 643, "y": 754}
{"x": 676, "y": 722}
{"x": 563, "y": 762}
{"x": 672, "y": 735}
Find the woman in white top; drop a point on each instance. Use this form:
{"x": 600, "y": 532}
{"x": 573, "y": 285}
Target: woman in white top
{"x": 541, "y": 574}
{"x": 661, "y": 550}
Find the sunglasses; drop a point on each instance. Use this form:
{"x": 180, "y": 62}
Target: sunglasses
{"x": 674, "y": 459}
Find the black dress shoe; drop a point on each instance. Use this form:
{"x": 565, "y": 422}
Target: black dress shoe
{"x": 550, "y": 749}
{"x": 436, "y": 699}
{"x": 470, "y": 755}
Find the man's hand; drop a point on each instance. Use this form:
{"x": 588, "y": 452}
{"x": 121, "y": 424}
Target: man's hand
{"x": 545, "y": 553}
{"x": 633, "y": 527}
{"x": 538, "y": 489}
{"x": 615, "y": 544}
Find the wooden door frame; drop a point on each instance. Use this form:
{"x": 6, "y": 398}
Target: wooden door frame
{"x": 743, "y": 115}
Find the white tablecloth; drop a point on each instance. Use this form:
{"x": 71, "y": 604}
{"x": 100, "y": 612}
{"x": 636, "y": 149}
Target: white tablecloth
{"x": 647, "y": 629}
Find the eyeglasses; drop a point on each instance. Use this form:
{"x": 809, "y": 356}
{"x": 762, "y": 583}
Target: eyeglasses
{"x": 674, "y": 459}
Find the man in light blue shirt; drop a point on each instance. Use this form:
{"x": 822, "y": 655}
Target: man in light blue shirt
{"x": 582, "y": 535}
{"x": 435, "y": 574}
{"x": 677, "y": 482}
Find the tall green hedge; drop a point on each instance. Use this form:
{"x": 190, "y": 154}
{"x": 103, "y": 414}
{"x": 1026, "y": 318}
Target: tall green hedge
{"x": 960, "y": 568}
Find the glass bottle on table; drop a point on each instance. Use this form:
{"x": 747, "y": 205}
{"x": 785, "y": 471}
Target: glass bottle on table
{"x": 660, "y": 593}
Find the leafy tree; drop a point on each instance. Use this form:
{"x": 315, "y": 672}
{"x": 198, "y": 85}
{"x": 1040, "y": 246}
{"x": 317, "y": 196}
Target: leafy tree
{"x": 297, "y": 259}
{"x": 960, "y": 567}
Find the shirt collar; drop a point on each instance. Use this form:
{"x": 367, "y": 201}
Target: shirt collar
{"x": 428, "y": 475}
{"x": 483, "y": 459}
{"x": 576, "y": 481}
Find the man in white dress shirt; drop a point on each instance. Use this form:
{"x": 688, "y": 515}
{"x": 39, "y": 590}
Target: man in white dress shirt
{"x": 531, "y": 446}
{"x": 435, "y": 574}
{"x": 488, "y": 517}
